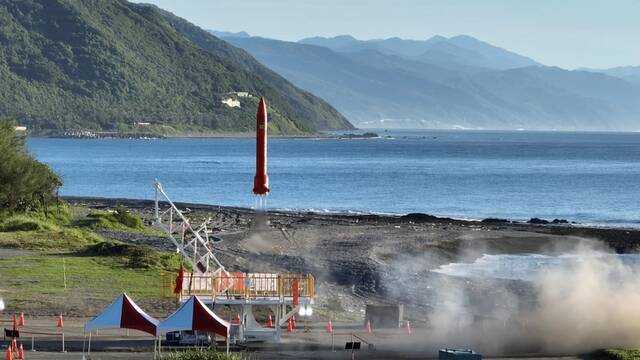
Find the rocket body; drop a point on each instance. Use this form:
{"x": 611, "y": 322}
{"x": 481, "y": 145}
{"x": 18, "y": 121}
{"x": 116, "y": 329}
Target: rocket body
{"x": 261, "y": 180}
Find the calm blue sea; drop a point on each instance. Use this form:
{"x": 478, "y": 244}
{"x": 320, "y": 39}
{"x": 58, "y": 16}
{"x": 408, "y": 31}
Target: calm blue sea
{"x": 586, "y": 177}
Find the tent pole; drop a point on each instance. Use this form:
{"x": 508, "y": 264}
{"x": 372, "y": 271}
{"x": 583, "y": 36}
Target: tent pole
{"x": 89, "y": 350}
{"x": 227, "y": 341}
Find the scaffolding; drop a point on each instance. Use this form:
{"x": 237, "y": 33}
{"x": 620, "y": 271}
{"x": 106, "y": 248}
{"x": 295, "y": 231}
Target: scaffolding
{"x": 283, "y": 293}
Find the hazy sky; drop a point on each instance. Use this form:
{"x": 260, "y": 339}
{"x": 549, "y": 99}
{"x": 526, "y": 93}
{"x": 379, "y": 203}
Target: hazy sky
{"x": 566, "y": 33}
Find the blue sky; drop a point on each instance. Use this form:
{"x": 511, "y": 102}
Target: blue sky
{"x": 565, "y": 33}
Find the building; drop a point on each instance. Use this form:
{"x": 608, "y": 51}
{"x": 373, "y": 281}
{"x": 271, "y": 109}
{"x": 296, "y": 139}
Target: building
{"x": 231, "y": 102}
{"x": 240, "y": 94}
{"x": 21, "y": 128}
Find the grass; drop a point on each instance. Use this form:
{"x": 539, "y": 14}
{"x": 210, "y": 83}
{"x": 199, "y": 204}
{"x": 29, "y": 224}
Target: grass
{"x": 96, "y": 269}
{"x": 196, "y": 354}
{"x": 35, "y": 283}
{"x": 49, "y": 241}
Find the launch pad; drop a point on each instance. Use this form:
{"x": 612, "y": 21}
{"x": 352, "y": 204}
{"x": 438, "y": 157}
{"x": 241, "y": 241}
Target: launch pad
{"x": 285, "y": 294}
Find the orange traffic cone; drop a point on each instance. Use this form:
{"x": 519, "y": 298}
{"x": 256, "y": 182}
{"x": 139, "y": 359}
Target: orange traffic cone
{"x": 329, "y": 327}
{"x": 270, "y": 322}
{"x": 8, "y": 355}
{"x": 290, "y": 326}
{"x": 60, "y": 321}
{"x": 293, "y": 320}
{"x": 238, "y": 319}
{"x": 407, "y": 327}
{"x": 21, "y": 319}
{"x": 20, "y": 353}
{"x": 368, "y": 327}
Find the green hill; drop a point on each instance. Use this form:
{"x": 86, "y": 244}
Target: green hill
{"x": 106, "y": 64}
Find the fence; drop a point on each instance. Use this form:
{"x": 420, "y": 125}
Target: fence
{"x": 238, "y": 285}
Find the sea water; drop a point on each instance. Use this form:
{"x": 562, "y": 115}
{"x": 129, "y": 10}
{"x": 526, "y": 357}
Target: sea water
{"x": 527, "y": 267}
{"x": 590, "y": 178}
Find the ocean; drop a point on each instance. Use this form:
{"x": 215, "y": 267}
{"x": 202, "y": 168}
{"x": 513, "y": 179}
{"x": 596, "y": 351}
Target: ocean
{"x": 590, "y": 178}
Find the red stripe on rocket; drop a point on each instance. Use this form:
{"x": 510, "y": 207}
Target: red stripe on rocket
{"x": 261, "y": 180}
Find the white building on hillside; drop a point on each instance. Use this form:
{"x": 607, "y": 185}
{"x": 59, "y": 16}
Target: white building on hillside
{"x": 231, "y": 102}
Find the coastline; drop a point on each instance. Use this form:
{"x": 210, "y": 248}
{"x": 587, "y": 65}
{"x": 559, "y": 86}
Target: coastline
{"x": 620, "y": 238}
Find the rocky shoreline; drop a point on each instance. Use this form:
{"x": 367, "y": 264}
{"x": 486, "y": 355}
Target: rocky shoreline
{"x": 621, "y": 239}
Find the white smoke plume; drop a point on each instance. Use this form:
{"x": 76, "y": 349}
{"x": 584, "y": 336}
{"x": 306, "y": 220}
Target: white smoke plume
{"x": 590, "y": 303}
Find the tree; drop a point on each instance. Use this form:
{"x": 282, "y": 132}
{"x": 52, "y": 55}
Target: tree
{"x": 25, "y": 183}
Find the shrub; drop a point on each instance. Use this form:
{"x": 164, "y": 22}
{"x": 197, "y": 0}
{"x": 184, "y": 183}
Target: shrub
{"x": 618, "y": 354}
{"x": 136, "y": 256}
{"x": 26, "y": 183}
{"x": 120, "y": 219}
{"x": 197, "y": 354}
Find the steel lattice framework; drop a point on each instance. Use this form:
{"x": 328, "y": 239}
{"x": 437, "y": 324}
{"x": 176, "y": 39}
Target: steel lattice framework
{"x": 192, "y": 242}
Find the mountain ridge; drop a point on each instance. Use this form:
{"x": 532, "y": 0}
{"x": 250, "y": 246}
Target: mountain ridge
{"x": 461, "y": 48}
{"x": 378, "y": 89}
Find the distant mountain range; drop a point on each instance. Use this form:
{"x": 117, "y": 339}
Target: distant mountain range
{"x": 109, "y": 64}
{"x": 629, "y": 73}
{"x": 457, "y": 82}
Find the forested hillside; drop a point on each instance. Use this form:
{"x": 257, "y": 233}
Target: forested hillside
{"x": 107, "y": 64}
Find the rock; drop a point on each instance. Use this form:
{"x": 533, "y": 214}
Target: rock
{"x": 495, "y": 221}
{"x": 419, "y": 217}
{"x": 538, "y": 221}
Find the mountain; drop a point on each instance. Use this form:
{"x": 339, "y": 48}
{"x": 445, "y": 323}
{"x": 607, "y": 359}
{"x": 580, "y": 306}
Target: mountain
{"x": 106, "y": 64}
{"x": 446, "y": 52}
{"x": 241, "y": 34}
{"x": 379, "y": 88}
{"x": 629, "y": 73}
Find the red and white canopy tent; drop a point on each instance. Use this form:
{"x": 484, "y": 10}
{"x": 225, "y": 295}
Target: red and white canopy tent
{"x": 196, "y": 316}
{"x": 123, "y": 313}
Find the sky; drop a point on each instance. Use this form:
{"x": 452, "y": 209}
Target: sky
{"x": 566, "y": 33}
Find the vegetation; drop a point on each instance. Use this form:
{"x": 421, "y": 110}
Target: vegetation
{"x": 197, "y": 354}
{"x": 106, "y": 65}
{"x": 52, "y": 250}
{"x": 25, "y": 184}
{"x": 136, "y": 256}
{"x": 619, "y": 354}
{"x": 64, "y": 255}
{"x": 118, "y": 219}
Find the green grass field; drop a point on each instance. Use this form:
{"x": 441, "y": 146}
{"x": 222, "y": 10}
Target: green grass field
{"x": 61, "y": 264}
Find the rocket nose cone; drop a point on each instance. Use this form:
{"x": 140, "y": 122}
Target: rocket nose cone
{"x": 262, "y": 110}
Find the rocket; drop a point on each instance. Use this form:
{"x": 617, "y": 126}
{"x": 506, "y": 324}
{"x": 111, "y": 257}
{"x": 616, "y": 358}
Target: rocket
{"x": 261, "y": 180}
